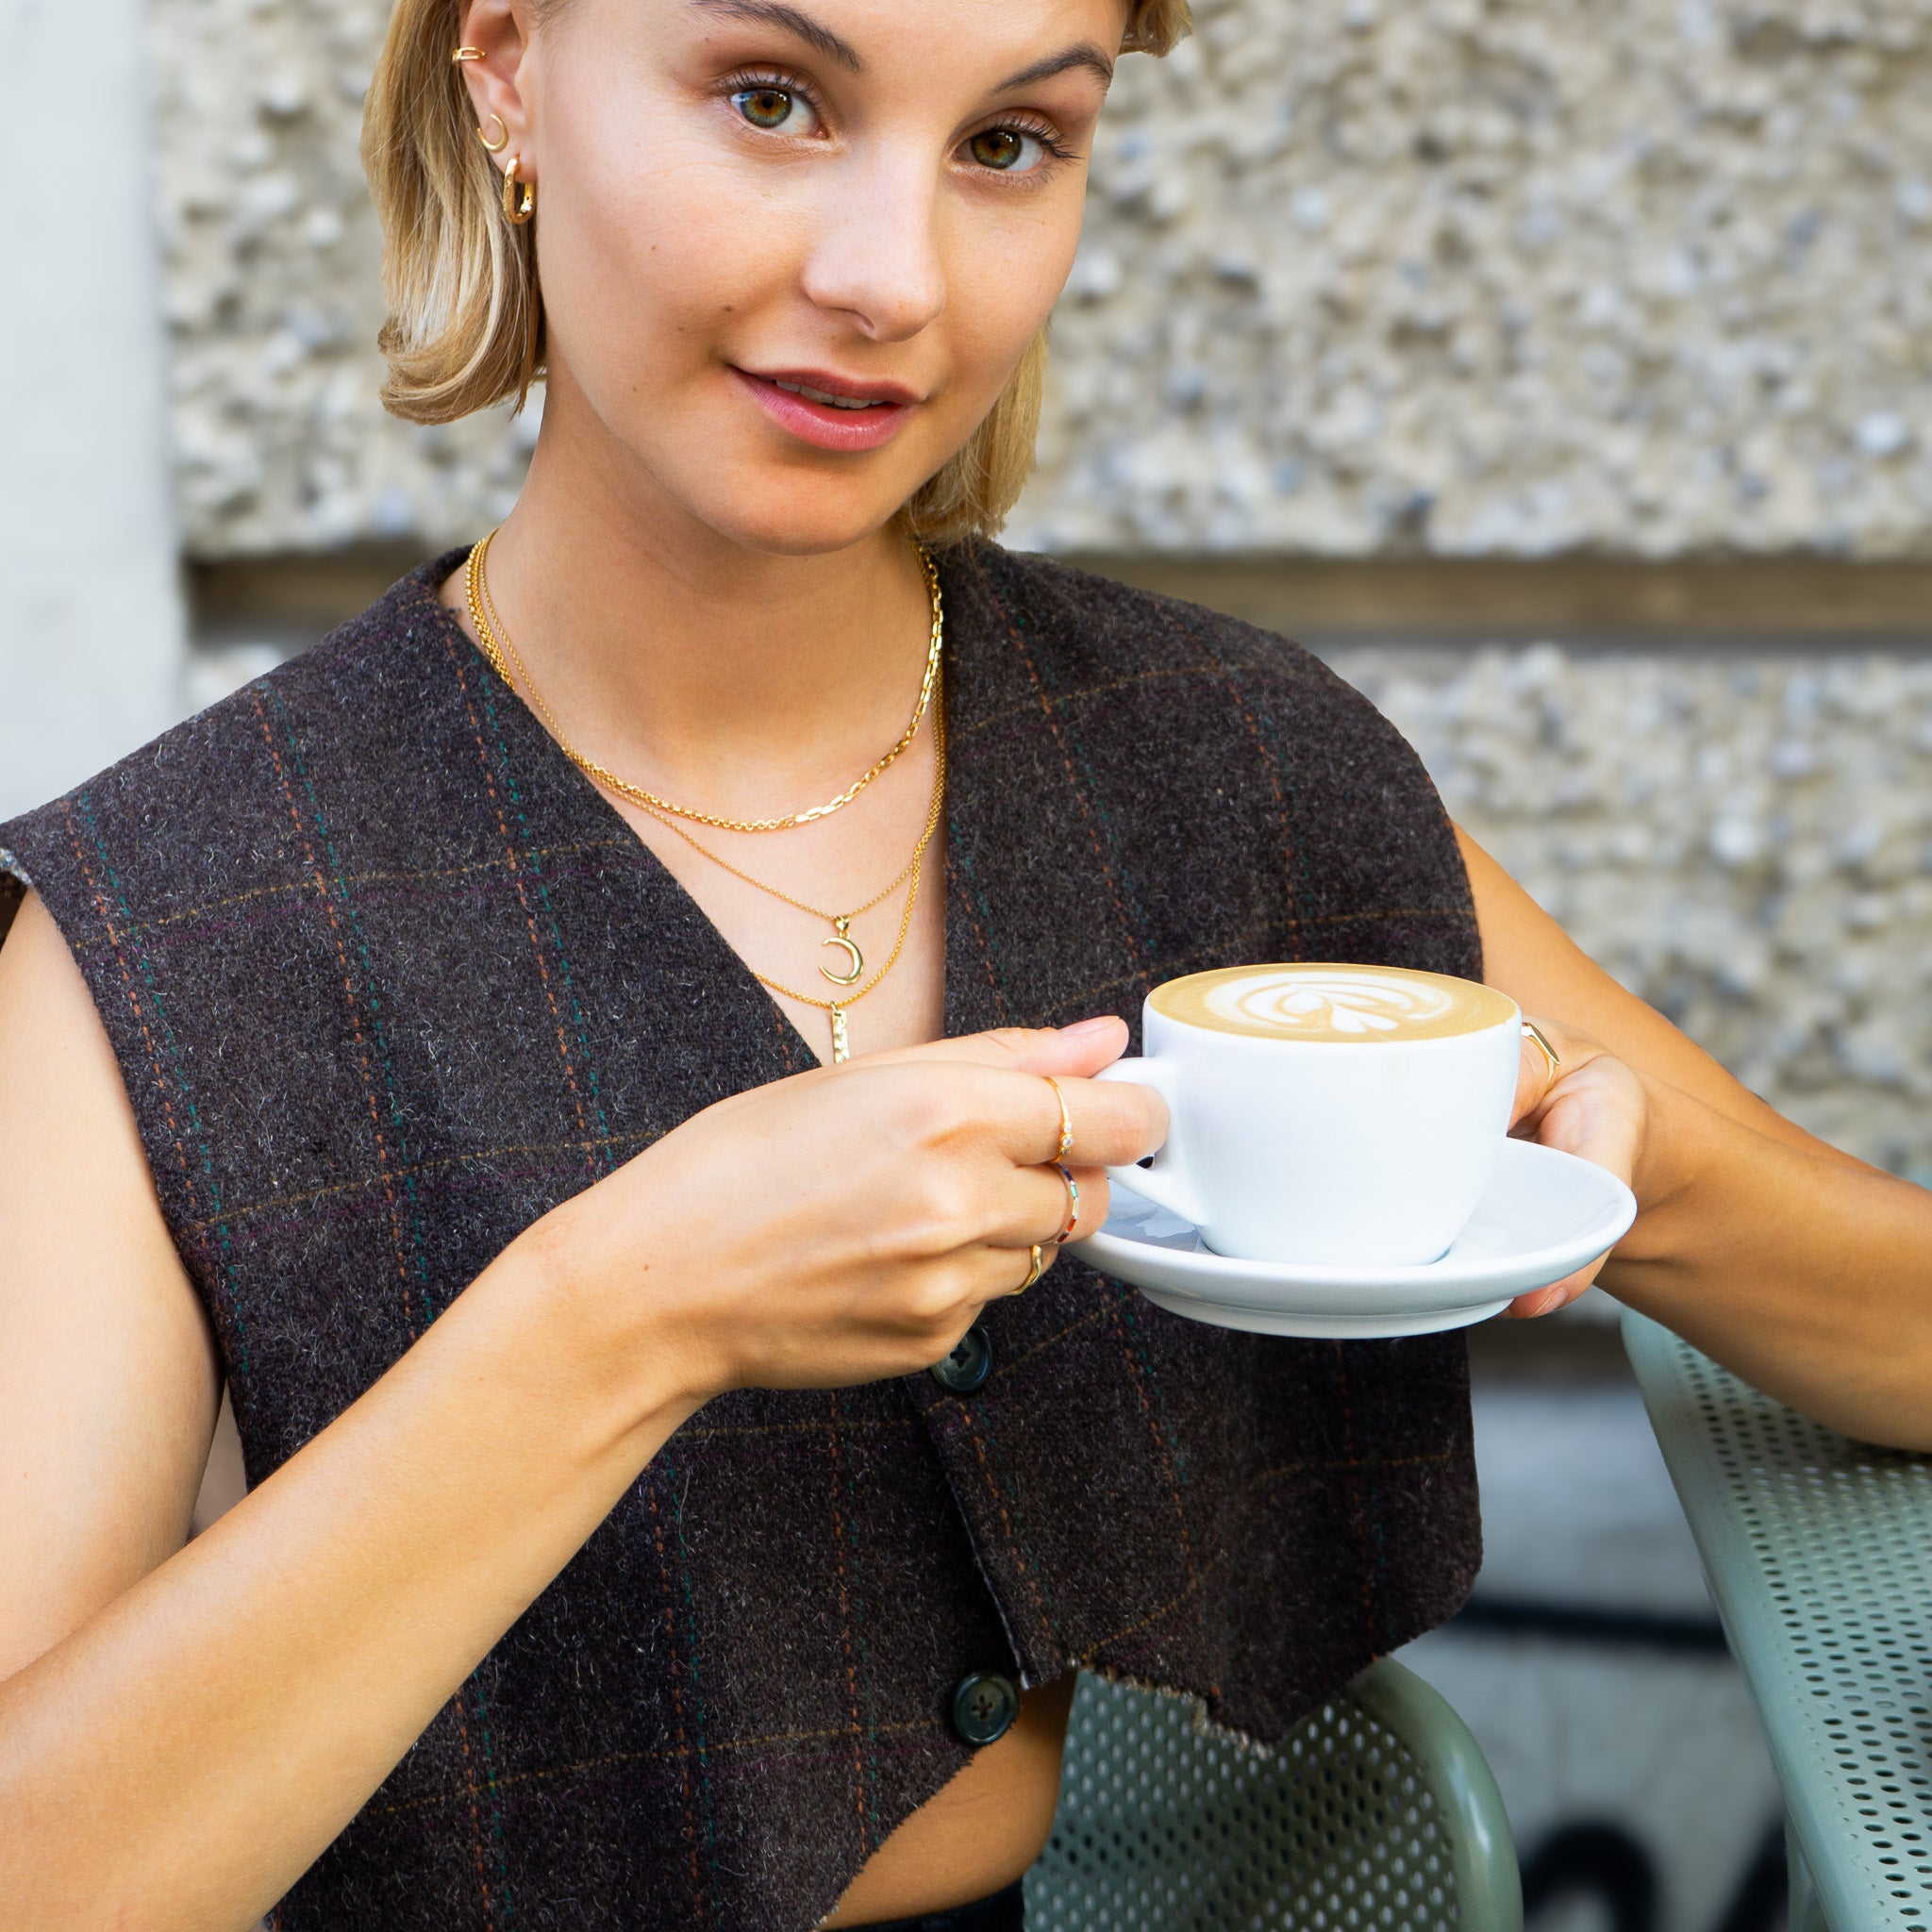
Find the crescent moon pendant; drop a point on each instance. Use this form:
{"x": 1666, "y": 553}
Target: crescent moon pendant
{"x": 853, "y": 954}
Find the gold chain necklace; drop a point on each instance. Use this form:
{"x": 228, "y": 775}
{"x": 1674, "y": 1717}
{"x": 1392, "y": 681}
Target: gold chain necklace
{"x": 837, "y": 1009}
{"x": 491, "y": 627}
{"x": 482, "y": 610}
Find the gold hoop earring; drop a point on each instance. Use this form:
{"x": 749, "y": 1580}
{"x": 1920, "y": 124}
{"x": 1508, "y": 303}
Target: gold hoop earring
{"x": 502, "y": 140}
{"x": 519, "y": 197}
{"x": 463, "y": 54}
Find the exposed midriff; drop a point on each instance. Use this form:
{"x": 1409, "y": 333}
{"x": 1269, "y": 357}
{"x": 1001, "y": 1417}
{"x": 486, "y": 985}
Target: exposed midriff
{"x": 980, "y": 1832}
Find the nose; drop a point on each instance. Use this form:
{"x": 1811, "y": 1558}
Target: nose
{"x": 876, "y": 257}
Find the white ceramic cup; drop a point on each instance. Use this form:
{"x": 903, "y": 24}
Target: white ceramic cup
{"x": 1363, "y": 1138}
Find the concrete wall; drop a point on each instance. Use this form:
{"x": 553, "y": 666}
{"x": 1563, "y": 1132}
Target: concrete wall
{"x": 1469, "y": 277}
{"x": 90, "y": 632}
{"x": 1473, "y": 276}
{"x": 1743, "y": 837}
{"x": 1508, "y": 276}
{"x": 1460, "y": 275}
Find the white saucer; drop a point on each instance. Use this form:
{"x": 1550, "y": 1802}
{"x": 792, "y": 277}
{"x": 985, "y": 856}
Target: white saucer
{"x": 1543, "y": 1215}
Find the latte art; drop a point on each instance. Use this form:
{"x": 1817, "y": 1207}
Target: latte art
{"x": 1304, "y": 1005}
{"x": 1333, "y": 1003}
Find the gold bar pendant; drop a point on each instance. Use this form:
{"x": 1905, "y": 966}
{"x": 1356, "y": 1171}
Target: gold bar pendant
{"x": 841, "y": 1048}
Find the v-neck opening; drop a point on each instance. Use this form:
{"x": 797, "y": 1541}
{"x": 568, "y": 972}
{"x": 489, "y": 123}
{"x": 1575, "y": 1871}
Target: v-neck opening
{"x": 560, "y": 765}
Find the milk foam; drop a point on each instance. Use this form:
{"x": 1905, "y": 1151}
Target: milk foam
{"x": 1333, "y": 1002}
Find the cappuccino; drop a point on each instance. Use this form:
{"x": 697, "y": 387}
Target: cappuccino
{"x": 1335, "y": 1114}
{"x": 1336, "y": 1004}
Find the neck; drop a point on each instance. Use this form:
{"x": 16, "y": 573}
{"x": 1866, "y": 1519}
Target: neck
{"x": 740, "y": 680}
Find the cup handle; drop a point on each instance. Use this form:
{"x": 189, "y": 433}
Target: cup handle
{"x": 1166, "y": 1183}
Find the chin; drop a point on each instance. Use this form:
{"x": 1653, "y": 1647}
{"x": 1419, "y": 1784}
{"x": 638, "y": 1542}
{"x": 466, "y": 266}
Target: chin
{"x": 796, "y": 515}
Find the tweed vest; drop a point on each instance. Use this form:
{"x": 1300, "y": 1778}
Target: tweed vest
{"x": 387, "y": 980}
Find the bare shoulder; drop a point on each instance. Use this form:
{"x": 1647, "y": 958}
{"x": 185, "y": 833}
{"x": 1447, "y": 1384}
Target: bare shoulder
{"x": 107, "y": 1377}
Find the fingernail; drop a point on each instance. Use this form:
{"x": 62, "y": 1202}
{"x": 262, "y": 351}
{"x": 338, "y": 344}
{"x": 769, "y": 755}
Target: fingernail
{"x": 1099, "y": 1025}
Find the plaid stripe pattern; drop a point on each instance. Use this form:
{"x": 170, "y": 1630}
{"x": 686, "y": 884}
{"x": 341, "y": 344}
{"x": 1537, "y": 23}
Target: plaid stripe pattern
{"x": 387, "y": 980}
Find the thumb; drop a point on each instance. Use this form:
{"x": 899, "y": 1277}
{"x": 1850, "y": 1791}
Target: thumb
{"x": 1548, "y": 1052}
{"x": 1079, "y": 1050}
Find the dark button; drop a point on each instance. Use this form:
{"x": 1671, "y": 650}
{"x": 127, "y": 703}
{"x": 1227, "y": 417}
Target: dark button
{"x": 984, "y": 1707}
{"x": 966, "y": 1369}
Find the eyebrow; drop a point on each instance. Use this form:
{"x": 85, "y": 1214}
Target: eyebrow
{"x": 1082, "y": 54}
{"x": 815, "y": 34}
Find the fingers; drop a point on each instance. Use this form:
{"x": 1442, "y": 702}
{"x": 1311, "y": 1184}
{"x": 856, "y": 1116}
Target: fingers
{"x": 1014, "y": 1268}
{"x": 1113, "y": 1123}
{"x": 1537, "y": 1073}
{"x": 1079, "y": 1050}
{"x": 1042, "y": 1208}
{"x": 1535, "y": 1077}
{"x": 1078, "y": 1211}
{"x": 1558, "y": 1295}
{"x": 1017, "y": 1116}
{"x": 1547, "y": 1053}
{"x": 1033, "y": 1271}
{"x": 1088, "y": 1209}
{"x": 1034, "y": 1208}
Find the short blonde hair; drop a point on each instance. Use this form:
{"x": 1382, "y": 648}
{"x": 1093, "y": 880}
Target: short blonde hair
{"x": 465, "y": 325}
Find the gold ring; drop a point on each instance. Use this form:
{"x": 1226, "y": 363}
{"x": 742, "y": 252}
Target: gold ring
{"x": 1066, "y": 1146}
{"x": 1034, "y": 1273}
{"x": 502, "y": 140}
{"x": 463, "y": 54}
{"x": 1549, "y": 1052}
{"x": 1066, "y": 1234}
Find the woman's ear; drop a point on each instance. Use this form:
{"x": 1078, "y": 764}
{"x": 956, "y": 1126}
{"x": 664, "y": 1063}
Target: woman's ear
{"x": 496, "y": 35}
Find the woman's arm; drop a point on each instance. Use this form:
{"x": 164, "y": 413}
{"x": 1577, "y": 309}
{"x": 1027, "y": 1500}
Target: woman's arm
{"x": 183, "y": 1730}
{"x": 1803, "y": 1269}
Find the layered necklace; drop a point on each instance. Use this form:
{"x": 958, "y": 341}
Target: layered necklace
{"x": 850, "y": 971}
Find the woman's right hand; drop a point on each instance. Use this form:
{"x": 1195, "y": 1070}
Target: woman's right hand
{"x": 185, "y": 1730}
{"x": 848, "y": 1223}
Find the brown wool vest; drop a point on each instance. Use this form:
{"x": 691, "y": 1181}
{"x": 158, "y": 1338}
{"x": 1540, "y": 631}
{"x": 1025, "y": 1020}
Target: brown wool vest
{"x": 387, "y": 980}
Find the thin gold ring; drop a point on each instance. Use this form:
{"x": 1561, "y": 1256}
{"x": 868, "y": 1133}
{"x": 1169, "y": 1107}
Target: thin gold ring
{"x": 1036, "y": 1271}
{"x": 463, "y": 54}
{"x": 1066, "y": 1146}
{"x": 1066, "y": 1234}
{"x": 1549, "y": 1052}
{"x": 502, "y": 140}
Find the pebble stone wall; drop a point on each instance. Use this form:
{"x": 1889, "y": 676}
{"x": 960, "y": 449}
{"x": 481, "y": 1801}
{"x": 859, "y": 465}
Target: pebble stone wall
{"x": 1470, "y": 276}
{"x": 1743, "y": 840}
{"x": 1359, "y": 277}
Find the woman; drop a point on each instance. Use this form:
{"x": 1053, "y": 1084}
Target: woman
{"x": 612, "y": 1556}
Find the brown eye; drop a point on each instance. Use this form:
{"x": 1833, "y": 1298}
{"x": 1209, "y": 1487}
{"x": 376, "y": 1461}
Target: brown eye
{"x": 997, "y": 147}
{"x": 763, "y": 107}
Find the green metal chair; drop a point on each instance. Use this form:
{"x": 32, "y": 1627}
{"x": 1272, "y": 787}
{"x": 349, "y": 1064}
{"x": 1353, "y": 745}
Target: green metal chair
{"x": 1819, "y": 1553}
{"x": 1380, "y": 1812}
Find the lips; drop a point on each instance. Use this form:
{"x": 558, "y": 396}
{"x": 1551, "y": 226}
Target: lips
{"x": 828, "y": 410}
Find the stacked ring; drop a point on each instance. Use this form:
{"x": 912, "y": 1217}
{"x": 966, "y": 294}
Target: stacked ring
{"x": 1066, "y": 1233}
{"x": 1066, "y": 1146}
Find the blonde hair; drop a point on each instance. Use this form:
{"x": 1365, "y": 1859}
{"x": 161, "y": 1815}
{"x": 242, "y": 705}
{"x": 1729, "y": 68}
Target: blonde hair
{"x": 465, "y": 325}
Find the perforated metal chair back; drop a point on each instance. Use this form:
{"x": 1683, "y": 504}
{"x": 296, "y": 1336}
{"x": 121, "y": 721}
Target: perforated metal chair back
{"x": 1380, "y": 1812}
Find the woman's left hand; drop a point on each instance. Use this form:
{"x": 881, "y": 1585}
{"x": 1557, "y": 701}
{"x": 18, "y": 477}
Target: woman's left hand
{"x": 1591, "y": 1106}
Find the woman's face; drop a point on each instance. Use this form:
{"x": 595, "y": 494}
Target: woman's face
{"x": 792, "y": 253}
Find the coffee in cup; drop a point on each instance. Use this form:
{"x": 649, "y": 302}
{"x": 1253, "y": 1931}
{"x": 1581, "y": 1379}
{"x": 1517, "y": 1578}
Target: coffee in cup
{"x": 1335, "y": 1114}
